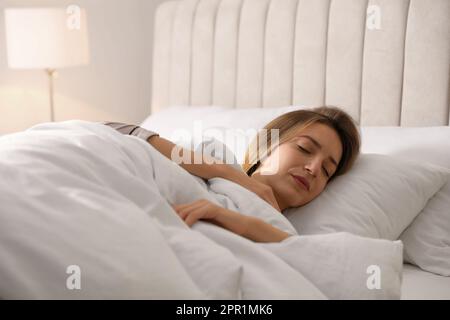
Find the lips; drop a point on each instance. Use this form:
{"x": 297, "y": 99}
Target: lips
{"x": 301, "y": 181}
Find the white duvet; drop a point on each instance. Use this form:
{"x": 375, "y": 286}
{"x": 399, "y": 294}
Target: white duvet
{"x": 81, "y": 194}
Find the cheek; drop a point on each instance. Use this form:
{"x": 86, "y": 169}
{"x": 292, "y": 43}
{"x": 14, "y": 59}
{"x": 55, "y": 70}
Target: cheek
{"x": 282, "y": 161}
{"x": 319, "y": 188}
{"x": 288, "y": 159}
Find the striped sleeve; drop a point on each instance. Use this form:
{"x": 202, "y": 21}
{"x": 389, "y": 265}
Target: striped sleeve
{"x": 130, "y": 129}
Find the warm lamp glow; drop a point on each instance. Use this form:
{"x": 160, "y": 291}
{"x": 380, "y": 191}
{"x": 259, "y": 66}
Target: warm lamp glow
{"x": 44, "y": 38}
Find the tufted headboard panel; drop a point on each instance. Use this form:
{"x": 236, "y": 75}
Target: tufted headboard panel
{"x": 386, "y": 62}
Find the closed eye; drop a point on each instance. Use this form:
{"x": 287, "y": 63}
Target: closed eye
{"x": 308, "y": 152}
{"x": 304, "y": 150}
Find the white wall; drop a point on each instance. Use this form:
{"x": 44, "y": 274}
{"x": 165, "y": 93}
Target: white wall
{"x": 114, "y": 86}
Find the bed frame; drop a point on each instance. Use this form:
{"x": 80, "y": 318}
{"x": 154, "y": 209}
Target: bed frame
{"x": 386, "y": 62}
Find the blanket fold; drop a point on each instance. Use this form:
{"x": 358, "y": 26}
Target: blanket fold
{"x": 78, "y": 192}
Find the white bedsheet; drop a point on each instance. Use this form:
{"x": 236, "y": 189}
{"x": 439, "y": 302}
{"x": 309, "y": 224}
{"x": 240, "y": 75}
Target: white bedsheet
{"x": 422, "y": 285}
{"x": 53, "y": 171}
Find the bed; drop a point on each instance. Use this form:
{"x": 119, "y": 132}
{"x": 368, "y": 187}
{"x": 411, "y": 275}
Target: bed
{"x": 385, "y": 62}
{"x": 86, "y": 210}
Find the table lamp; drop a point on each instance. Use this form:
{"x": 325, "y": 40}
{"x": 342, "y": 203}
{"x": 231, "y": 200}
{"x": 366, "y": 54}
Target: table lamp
{"x": 48, "y": 39}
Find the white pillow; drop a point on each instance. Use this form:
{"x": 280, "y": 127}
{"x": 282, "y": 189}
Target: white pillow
{"x": 427, "y": 239}
{"x": 378, "y": 198}
{"x": 187, "y": 126}
{"x": 429, "y": 144}
{"x": 215, "y": 148}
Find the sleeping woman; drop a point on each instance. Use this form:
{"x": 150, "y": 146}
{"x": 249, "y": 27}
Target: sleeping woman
{"x": 314, "y": 147}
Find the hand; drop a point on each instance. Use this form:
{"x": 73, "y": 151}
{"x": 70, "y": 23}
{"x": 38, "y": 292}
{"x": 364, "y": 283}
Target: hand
{"x": 197, "y": 210}
{"x": 248, "y": 227}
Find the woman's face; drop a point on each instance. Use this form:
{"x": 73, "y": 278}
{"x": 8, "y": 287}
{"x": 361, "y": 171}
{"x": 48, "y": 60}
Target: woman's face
{"x": 313, "y": 154}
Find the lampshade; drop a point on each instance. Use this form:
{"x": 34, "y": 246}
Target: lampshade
{"x": 43, "y": 38}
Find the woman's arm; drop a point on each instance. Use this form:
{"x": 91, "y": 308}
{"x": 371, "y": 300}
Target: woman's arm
{"x": 212, "y": 167}
{"x": 249, "y": 227}
{"x": 208, "y": 168}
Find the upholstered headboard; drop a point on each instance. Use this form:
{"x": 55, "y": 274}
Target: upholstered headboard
{"x": 386, "y": 62}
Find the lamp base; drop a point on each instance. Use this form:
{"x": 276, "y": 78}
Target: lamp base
{"x": 51, "y": 75}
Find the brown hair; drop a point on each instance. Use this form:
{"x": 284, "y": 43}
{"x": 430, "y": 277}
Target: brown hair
{"x": 291, "y": 122}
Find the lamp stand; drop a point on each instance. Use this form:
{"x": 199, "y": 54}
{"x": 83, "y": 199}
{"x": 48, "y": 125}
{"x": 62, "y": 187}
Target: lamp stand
{"x": 51, "y": 75}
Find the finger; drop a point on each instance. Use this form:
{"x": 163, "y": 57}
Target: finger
{"x": 193, "y": 217}
{"x": 185, "y": 206}
{"x": 186, "y": 211}
{"x": 183, "y": 214}
{"x": 182, "y": 206}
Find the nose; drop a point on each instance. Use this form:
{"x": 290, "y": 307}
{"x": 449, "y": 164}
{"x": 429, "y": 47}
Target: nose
{"x": 313, "y": 167}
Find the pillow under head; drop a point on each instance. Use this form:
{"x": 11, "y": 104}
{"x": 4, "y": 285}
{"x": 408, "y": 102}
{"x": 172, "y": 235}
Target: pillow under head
{"x": 378, "y": 198}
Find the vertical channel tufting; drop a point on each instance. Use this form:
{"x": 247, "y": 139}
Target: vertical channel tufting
{"x": 294, "y": 46}
{"x": 362, "y": 62}
{"x": 383, "y": 62}
{"x": 203, "y": 52}
{"x": 427, "y": 64}
{"x": 279, "y": 53}
{"x": 180, "y": 71}
{"x": 403, "y": 65}
{"x": 326, "y": 54}
{"x": 250, "y": 58}
{"x": 310, "y": 52}
{"x": 344, "y": 58}
{"x": 162, "y": 40}
{"x": 225, "y": 48}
